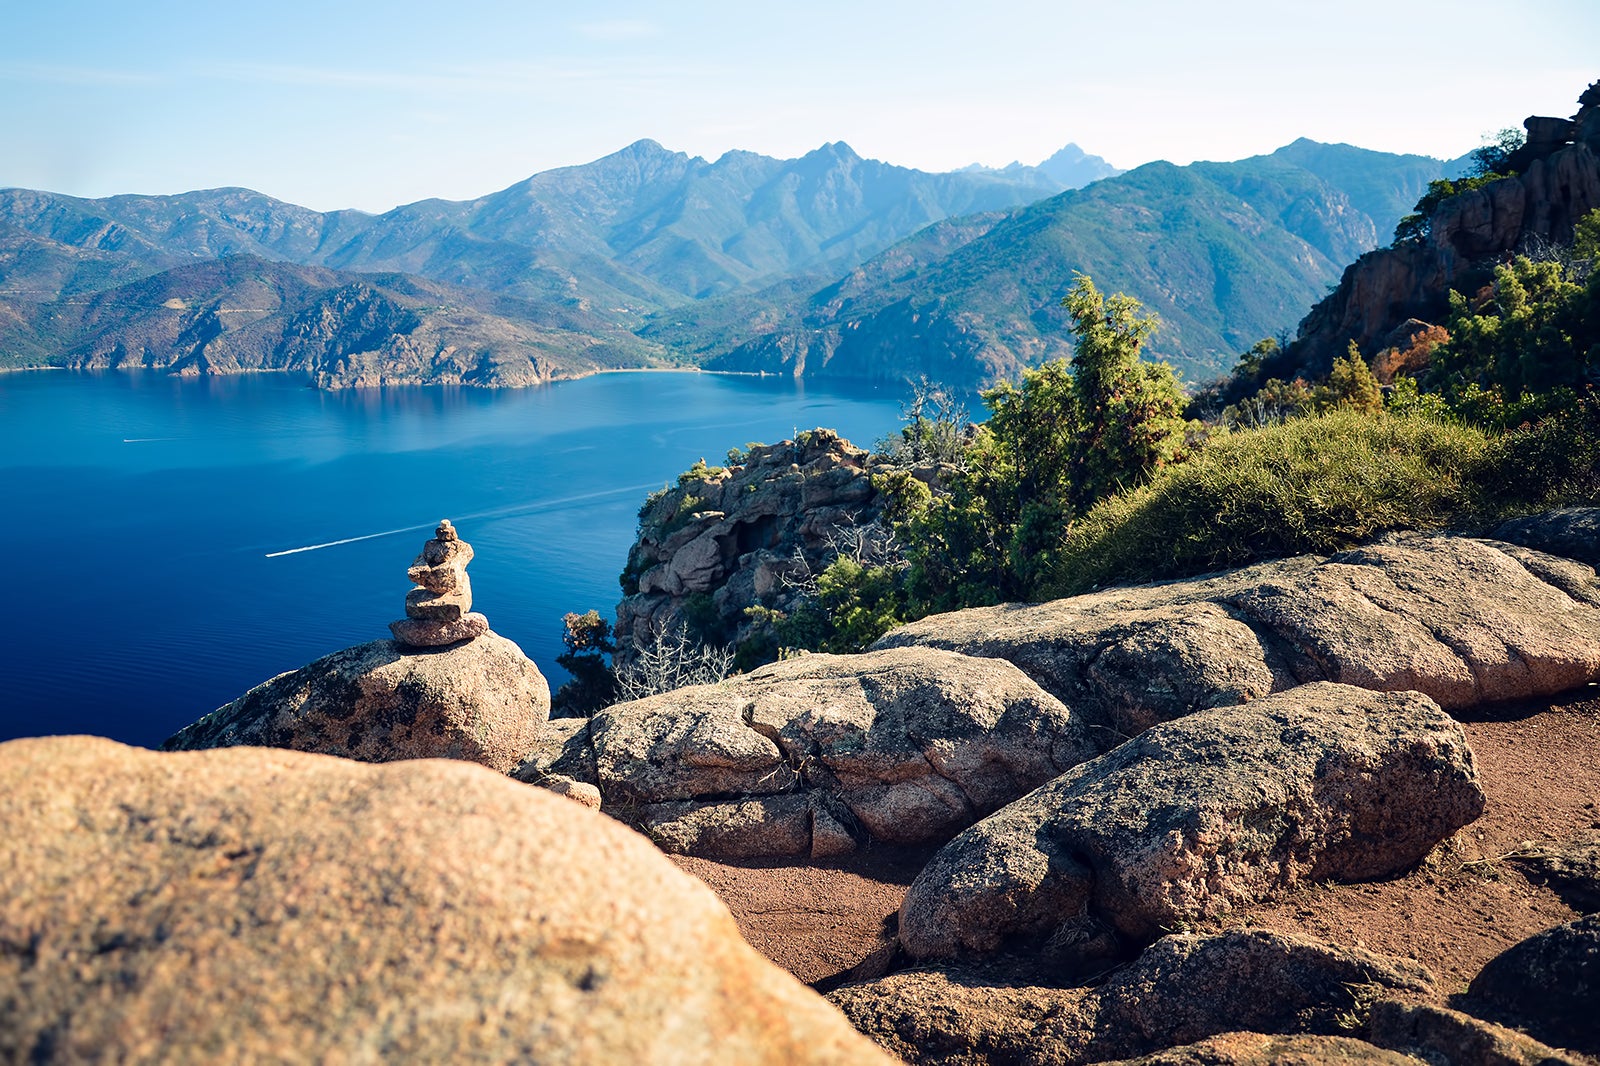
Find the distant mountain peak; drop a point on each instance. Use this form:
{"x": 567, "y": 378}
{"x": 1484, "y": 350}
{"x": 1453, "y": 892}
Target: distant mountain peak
{"x": 1075, "y": 168}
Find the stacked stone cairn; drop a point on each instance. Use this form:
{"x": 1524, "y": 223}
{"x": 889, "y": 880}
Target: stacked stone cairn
{"x": 438, "y": 609}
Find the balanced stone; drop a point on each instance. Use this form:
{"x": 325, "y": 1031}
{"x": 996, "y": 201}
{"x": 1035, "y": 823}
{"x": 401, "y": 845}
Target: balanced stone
{"x": 420, "y": 634}
{"x": 440, "y": 606}
{"x": 438, "y": 610}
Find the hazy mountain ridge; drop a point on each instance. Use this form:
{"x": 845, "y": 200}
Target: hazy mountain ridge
{"x": 242, "y": 313}
{"x": 1225, "y": 253}
{"x": 825, "y": 264}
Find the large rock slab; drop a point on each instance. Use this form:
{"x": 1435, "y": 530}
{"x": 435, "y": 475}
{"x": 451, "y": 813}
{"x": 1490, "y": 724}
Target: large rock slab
{"x": 1548, "y": 985}
{"x": 1572, "y": 533}
{"x": 1186, "y": 987}
{"x": 1449, "y": 1038}
{"x": 258, "y": 905}
{"x": 484, "y": 701}
{"x": 912, "y": 744}
{"x": 1464, "y": 621}
{"x": 1182, "y": 989}
{"x": 1204, "y": 814}
{"x": 1265, "y": 1049}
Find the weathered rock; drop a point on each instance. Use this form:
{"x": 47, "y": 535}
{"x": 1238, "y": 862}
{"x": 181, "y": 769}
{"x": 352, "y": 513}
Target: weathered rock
{"x": 1449, "y": 1038}
{"x": 752, "y": 827}
{"x": 253, "y": 905}
{"x": 1259, "y": 1049}
{"x": 577, "y": 791}
{"x": 561, "y": 748}
{"x": 1548, "y": 985}
{"x": 433, "y": 606}
{"x": 1572, "y": 532}
{"x": 1570, "y": 867}
{"x": 1182, "y": 989}
{"x": 744, "y": 534}
{"x": 419, "y": 633}
{"x": 960, "y": 1017}
{"x": 913, "y": 744}
{"x": 485, "y": 702}
{"x": 1187, "y": 987}
{"x": 1461, "y": 620}
{"x": 1200, "y": 815}
{"x": 446, "y": 578}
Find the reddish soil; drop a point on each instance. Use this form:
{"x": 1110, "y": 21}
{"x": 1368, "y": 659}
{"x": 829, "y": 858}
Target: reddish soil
{"x": 818, "y": 921}
{"x": 1540, "y": 767}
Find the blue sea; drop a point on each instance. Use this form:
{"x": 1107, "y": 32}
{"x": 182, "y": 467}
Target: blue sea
{"x": 172, "y": 542}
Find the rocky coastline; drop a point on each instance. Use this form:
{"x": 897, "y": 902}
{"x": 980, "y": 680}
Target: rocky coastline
{"x": 1090, "y": 798}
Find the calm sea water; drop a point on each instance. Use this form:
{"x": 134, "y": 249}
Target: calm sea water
{"x": 152, "y": 522}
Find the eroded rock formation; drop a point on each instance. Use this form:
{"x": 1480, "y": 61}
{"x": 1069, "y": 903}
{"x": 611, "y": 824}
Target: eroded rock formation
{"x": 808, "y": 755}
{"x": 270, "y": 906}
{"x": 1557, "y": 183}
{"x": 1198, "y": 816}
{"x": 1464, "y": 621}
{"x": 731, "y": 538}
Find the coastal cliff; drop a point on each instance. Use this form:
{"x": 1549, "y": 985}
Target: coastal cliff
{"x": 751, "y": 533}
{"x": 1556, "y": 183}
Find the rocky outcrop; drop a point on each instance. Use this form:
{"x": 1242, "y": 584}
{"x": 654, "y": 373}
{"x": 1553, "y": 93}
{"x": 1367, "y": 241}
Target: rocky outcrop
{"x": 1261, "y": 1049}
{"x": 1571, "y": 868}
{"x": 483, "y": 701}
{"x": 727, "y": 538}
{"x": 257, "y": 905}
{"x": 445, "y": 687}
{"x": 439, "y": 608}
{"x": 1202, "y": 815}
{"x": 1571, "y": 533}
{"x": 1548, "y": 985}
{"x": 1464, "y": 621}
{"x": 1184, "y": 988}
{"x": 1187, "y": 987}
{"x": 800, "y": 757}
{"x": 1449, "y": 1038}
{"x": 1556, "y": 184}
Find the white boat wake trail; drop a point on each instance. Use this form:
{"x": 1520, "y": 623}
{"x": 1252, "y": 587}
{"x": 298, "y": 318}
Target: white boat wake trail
{"x": 498, "y": 512}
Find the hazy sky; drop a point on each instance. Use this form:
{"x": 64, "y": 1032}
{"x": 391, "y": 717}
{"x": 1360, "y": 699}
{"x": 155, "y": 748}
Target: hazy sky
{"x": 369, "y": 105}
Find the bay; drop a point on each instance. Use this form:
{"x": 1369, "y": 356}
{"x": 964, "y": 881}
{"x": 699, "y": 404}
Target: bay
{"x": 173, "y": 542}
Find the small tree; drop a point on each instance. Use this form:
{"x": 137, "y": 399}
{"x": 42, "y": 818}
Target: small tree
{"x": 1067, "y": 436}
{"x": 1130, "y": 412}
{"x": 1493, "y": 156}
{"x": 935, "y": 426}
{"x": 1351, "y": 385}
{"x": 588, "y": 640}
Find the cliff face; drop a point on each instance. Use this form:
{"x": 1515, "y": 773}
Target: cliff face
{"x": 747, "y": 534}
{"x": 1558, "y": 182}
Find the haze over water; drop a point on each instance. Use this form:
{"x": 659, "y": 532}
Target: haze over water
{"x": 175, "y": 542}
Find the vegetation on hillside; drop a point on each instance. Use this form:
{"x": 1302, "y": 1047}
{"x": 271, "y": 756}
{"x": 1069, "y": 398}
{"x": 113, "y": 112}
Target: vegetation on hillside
{"x": 1087, "y": 473}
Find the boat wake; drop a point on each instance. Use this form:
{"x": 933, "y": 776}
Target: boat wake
{"x": 513, "y": 511}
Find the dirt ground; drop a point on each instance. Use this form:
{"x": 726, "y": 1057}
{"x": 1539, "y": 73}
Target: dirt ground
{"x": 1540, "y": 767}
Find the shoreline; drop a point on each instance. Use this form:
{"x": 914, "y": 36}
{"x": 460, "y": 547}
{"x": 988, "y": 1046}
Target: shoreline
{"x": 310, "y": 380}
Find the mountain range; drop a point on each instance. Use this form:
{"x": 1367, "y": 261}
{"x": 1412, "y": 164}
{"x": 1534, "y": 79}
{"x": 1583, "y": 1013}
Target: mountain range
{"x": 824, "y": 264}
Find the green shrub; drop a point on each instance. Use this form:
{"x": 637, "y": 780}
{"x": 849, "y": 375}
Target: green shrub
{"x": 854, "y": 606}
{"x": 1554, "y": 462}
{"x": 1313, "y": 484}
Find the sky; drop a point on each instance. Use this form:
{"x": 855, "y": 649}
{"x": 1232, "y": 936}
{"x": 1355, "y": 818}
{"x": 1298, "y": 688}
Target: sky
{"x": 370, "y": 105}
